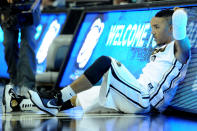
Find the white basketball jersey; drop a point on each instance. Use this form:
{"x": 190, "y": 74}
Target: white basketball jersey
{"x": 162, "y": 75}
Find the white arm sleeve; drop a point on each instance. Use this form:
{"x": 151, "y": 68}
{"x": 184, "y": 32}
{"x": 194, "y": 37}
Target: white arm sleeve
{"x": 179, "y": 22}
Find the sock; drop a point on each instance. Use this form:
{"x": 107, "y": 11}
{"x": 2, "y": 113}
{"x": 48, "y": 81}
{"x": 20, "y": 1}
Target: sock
{"x": 67, "y": 93}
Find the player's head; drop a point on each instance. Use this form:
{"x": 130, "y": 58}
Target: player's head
{"x": 161, "y": 25}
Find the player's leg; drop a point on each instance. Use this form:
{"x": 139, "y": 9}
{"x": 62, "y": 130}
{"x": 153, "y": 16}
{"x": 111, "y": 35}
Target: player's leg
{"x": 90, "y": 77}
{"x": 123, "y": 92}
{"x": 119, "y": 91}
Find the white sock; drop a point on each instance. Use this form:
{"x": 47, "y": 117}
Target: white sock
{"x": 67, "y": 93}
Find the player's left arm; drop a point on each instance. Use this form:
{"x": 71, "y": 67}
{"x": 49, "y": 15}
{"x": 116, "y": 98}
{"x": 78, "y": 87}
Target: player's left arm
{"x": 182, "y": 44}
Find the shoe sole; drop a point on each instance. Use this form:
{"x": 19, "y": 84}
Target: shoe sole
{"x": 40, "y": 105}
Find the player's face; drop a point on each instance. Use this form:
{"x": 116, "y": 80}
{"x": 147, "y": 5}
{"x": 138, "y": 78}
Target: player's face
{"x": 161, "y": 30}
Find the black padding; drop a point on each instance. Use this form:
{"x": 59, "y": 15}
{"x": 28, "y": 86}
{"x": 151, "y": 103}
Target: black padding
{"x": 98, "y": 69}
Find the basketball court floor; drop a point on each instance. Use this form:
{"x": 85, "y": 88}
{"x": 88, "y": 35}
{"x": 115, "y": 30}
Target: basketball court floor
{"x": 75, "y": 120}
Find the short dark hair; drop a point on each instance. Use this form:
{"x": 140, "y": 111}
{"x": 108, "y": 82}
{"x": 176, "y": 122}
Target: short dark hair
{"x": 165, "y": 13}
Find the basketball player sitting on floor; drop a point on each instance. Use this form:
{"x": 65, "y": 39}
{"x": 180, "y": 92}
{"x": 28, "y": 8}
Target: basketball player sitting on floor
{"x": 120, "y": 91}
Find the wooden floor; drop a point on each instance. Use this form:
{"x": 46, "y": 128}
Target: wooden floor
{"x": 75, "y": 120}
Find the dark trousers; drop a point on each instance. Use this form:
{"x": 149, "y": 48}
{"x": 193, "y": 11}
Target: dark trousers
{"x": 21, "y": 61}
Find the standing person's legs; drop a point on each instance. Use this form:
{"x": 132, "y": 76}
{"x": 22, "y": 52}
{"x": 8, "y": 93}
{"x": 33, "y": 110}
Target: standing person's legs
{"x": 15, "y": 102}
{"x": 26, "y": 68}
{"x": 11, "y": 101}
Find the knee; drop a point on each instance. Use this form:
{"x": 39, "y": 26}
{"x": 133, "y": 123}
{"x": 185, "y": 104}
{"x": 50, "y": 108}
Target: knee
{"x": 104, "y": 59}
{"x": 97, "y": 69}
{"x": 104, "y": 62}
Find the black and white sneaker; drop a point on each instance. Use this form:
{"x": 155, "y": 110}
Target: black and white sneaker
{"x": 10, "y": 99}
{"x": 12, "y": 102}
{"x": 50, "y": 106}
